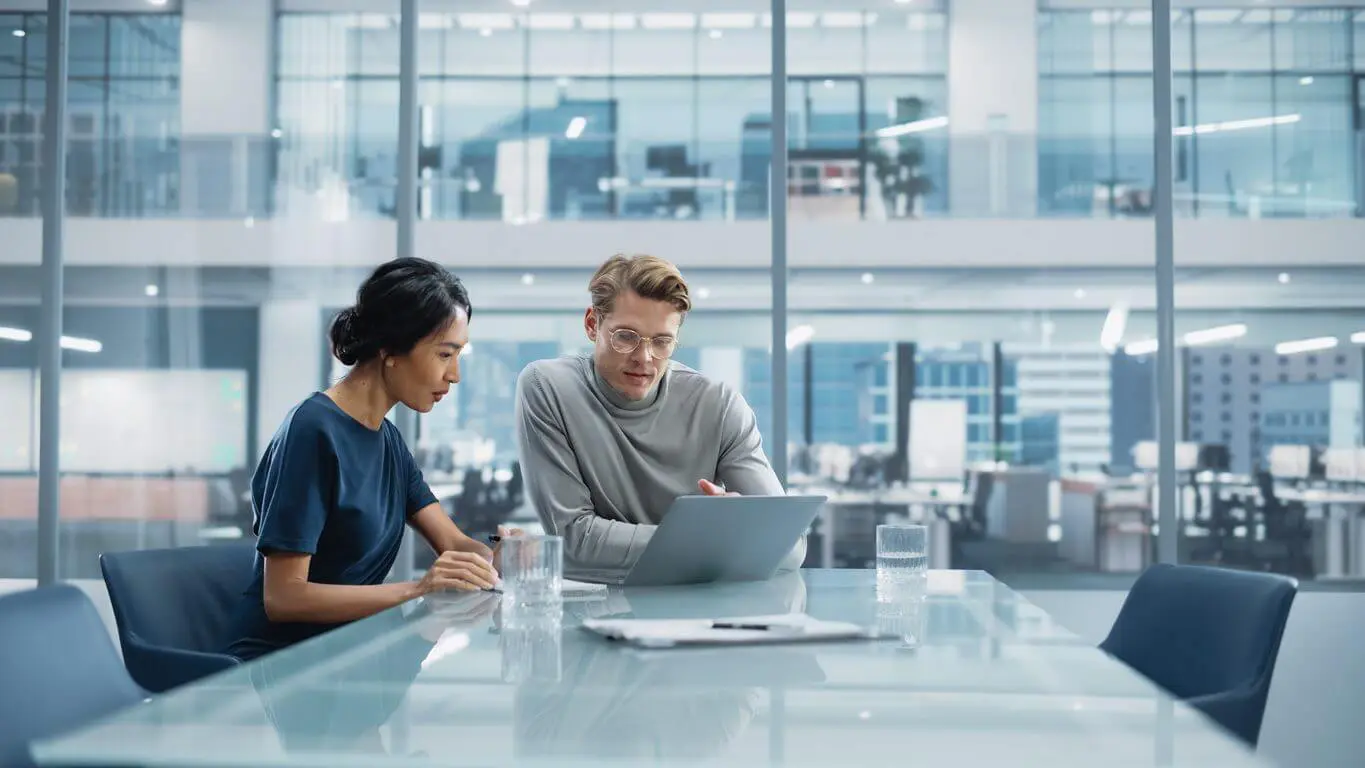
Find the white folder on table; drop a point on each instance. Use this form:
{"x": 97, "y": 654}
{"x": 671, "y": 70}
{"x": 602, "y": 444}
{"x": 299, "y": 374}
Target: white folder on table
{"x": 742, "y": 630}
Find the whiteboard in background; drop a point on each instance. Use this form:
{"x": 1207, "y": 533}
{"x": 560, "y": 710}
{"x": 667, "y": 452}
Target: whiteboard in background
{"x": 938, "y": 440}
{"x": 18, "y": 439}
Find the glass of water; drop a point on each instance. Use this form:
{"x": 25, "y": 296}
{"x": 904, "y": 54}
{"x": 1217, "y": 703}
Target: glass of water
{"x": 532, "y": 569}
{"x": 902, "y": 562}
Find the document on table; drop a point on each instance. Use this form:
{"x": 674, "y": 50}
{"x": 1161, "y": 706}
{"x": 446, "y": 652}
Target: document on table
{"x": 744, "y": 630}
{"x": 582, "y": 590}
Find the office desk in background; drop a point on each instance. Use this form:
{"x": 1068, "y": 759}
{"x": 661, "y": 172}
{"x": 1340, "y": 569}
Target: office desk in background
{"x": 993, "y": 681}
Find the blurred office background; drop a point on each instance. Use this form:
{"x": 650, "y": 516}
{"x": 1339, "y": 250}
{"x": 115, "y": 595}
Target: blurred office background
{"x": 971, "y": 292}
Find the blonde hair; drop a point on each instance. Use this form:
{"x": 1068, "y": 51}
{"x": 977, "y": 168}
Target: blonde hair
{"x": 649, "y": 276}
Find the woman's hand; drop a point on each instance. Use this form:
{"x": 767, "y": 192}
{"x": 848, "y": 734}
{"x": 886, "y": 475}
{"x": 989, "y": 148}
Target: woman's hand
{"x": 464, "y": 571}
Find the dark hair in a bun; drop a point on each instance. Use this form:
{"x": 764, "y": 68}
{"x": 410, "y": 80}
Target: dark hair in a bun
{"x": 402, "y": 302}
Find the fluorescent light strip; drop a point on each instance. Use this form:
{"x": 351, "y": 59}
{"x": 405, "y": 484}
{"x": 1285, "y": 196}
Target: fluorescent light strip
{"x": 486, "y": 21}
{"x": 555, "y": 21}
{"x": 729, "y": 20}
{"x": 1358, "y": 337}
{"x": 601, "y": 21}
{"x": 576, "y": 127}
{"x": 1140, "y": 348}
{"x": 1115, "y": 323}
{"x": 668, "y": 20}
{"x": 917, "y": 126}
{"x": 1215, "y": 335}
{"x": 1237, "y": 125}
{"x": 799, "y": 335}
{"x": 795, "y": 20}
{"x": 847, "y": 20}
{"x": 74, "y": 343}
{"x": 1305, "y": 345}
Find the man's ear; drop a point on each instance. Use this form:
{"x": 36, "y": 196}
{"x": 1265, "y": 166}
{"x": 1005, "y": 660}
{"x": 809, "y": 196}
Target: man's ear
{"x": 590, "y": 324}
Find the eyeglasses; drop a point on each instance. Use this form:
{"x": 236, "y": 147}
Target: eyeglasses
{"x": 626, "y": 342}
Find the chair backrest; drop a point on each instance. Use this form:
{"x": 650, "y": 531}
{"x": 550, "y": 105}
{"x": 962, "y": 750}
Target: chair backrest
{"x": 182, "y": 598}
{"x": 58, "y": 669}
{"x": 1198, "y": 631}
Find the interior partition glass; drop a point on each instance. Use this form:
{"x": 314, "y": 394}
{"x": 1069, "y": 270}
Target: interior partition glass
{"x": 1263, "y": 112}
{"x": 123, "y": 113}
{"x": 648, "y": 115}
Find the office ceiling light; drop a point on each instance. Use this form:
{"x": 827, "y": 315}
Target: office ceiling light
{"x": 435, "y": 21}
{"x": 1140, "y": 348}
{"x": 156, "y": 3}
{"x": 1101, "y": 18}
{"x": 1138, "y": 18}
{"x": 847, "y": 19}
{"x": 1217, "y": 16}
{"x": 276, "y": 134}
{"x": 486, "y": 32}
{"x": 1307, "y": 80}
{"x": 79, "y": 344}
{"x": 521, "y": 3}
{"x": 15, "y": 334}
{"x": 607, "y": 21}
{"x": 797, "y": 20}
{"x": 467, "y": 349}
{"x": 668, "y": 20}
{"x": 19, "y": 33}
{"x": 576, "y": 127}
{"x": 482, "y": 21}
{"x": 916, "y": 126}
{"x": 1305, "y": 345}
{"x": 1115, "y": 324}
{"x": 716, "y": 34}
{"x": 550, "y": 21}
{"x": 868, "y": 278}
{"x": 1237, "y": 125}
{"x": 799, "y": 335}
{"x": 703, "y": 293}
{"x": 1283, "y": 278}
{"x": 528, "y": 279}
{"x": 152, "y": 290}
{"x": 1215, "y": 335}
{"x": 1079, "y": 293}
{"x": 1358, "y": 337}
{"x": 729, "y": 20}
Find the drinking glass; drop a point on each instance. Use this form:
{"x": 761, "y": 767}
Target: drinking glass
{"x": 533, "y": 569}
{"x": 902, "y": 562}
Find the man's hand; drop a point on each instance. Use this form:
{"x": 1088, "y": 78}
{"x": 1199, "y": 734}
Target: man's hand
{"x": 712, "y": 489}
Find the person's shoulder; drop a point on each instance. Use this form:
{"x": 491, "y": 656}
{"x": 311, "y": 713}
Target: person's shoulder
{"x": 310, "y": 417}
{"x": 554, "y": 374}
{"x": 693, "y": 383}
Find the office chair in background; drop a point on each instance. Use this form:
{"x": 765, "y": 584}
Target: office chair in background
{"x": 58, "y": 669}
{"x": 1209, "y": 636}
{"x": 174, "y": 609}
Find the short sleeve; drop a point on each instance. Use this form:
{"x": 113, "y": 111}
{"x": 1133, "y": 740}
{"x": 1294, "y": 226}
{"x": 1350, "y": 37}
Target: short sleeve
{"x": 292, "y": 506}
{"x": 419, "y": 494}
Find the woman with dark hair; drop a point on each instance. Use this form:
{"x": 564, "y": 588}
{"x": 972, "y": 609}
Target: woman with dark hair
{"x": 337, "y": 484}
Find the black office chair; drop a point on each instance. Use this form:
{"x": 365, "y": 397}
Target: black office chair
{"x": 174, "y": 609}
{"x": 1210, "y": 636}
{"x": 1288, "y": 534}
{"x": 58, "y": 669}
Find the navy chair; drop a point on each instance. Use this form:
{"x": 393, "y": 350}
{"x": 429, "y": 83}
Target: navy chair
{"x": 58, "y": 669}
{"x": 174, "y": 609}
{"x": 1210, "y": 636}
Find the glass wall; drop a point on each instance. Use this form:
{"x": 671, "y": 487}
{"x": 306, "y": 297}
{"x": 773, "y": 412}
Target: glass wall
{"x": 1265, "y": 113}
{"x": 534, "y": 116}
{"x": 124, "y": 113}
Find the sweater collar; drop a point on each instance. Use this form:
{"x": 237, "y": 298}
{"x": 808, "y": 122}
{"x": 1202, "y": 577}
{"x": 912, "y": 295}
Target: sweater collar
{"x": 620, "y": 401}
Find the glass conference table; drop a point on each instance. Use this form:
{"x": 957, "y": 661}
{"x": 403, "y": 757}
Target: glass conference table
{"x": 972, "y": 674}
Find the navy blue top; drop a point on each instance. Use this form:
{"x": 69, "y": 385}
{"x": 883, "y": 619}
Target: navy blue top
{"x": 333, "y": 488}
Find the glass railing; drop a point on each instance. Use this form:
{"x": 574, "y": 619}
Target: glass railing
{"x": 929, "y": 175}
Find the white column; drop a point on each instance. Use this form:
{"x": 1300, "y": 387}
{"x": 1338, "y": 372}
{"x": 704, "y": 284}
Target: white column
{"x": 724, "y": 364}
{"x": 227, "y": 59}
{"x": 291, "y": 349}
{"x": 993, "y": 106}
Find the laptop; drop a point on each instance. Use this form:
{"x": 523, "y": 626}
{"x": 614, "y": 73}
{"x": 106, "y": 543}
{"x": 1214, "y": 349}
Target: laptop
{"x": 723, "y": 538}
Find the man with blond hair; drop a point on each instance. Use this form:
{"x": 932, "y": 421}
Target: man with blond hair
{"x": 609, "y": 440}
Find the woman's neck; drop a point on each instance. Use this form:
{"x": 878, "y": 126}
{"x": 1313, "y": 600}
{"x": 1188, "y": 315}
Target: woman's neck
{"x": 362, "y": 396}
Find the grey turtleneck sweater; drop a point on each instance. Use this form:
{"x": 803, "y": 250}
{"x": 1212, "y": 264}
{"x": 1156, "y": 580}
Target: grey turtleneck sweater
{"x": 602, "y": 470}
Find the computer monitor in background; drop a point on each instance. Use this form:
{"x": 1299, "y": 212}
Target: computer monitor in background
{"x": 1339, "y": 464}
{"x": 1146, "y": 456}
